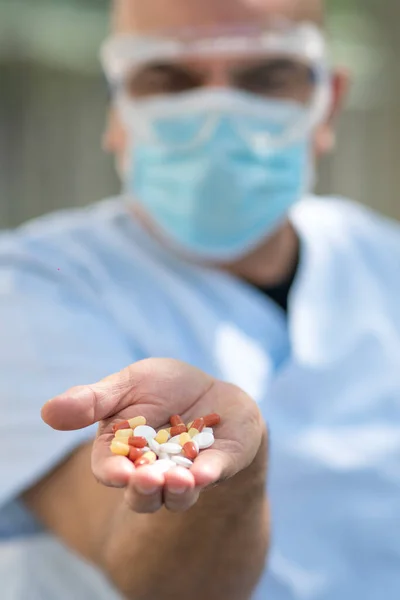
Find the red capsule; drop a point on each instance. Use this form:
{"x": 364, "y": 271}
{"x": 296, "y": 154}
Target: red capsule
{"x": 190, "y": 450}
{"x": 211, "y": 420}
{"x": 137, "y": 441}
{"x": 134, "y": 454}
{"x": 120, "y": 425}
{"x": 175, "y": 420}
{"x": 198, "y": 424}
{"x": 178, "y": 429}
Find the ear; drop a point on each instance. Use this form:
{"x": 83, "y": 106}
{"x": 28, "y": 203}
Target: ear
{"x": 325, "y": 135}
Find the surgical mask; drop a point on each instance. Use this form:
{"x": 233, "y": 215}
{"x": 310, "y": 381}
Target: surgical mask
{"x": 219, "y": 175}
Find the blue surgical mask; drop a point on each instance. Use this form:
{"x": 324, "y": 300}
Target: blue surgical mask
{"x": 220, "y": 197}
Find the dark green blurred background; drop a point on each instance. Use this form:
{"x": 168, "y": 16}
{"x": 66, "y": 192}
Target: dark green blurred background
{"x": 53, "y": 102}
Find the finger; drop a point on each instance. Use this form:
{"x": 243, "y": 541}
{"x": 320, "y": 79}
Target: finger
{"x": 110, "y": 470}
{"x": 180, "y": 493}
{"x": 144, "y": 491}
{"x": 212, "y": 466}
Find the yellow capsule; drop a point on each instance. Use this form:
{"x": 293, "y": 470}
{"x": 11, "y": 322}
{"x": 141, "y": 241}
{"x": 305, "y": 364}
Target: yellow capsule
{"x": 162, "y": 436}
{"x": 123, "y": 434}
{"x": 189, "y": 425}
{"x": 148, "y": 458}
{"x": 118, "y": 447}
{"x": 184, "y": 438}
{"x": 136, "y": 421}
{"x": 193, "y": 432}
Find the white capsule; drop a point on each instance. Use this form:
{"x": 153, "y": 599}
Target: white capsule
{"x": 208, "y": 430}
{"x": 145, "y": 431}
{"x": 204, "y": 440}
{"x": 155, "y": 446}
{"x": 182, "y": 461}
{"x": 170, "y": 448}
{"x": 163, "y": 465}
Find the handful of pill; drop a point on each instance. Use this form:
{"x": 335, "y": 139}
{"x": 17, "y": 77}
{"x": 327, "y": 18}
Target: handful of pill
{"x": 177, "y": 445}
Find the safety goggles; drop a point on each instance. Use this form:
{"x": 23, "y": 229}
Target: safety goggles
{"x": 156, "y": 79}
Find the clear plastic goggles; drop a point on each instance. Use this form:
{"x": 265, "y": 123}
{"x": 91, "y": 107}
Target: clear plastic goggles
{"x": 277, "y": 86}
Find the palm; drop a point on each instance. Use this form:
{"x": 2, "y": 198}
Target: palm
{"x": 156, "y": 389}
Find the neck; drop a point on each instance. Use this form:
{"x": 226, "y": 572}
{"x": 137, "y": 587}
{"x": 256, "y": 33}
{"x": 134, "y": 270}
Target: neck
{"x": 272, "y": 262}
{"x": 269, "y": 264}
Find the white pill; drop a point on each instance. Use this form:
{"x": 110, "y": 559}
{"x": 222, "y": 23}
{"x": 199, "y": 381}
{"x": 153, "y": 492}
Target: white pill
{"x": 208, "y": 430}
{"x": 174, "y": 440}
{"x": 162, "y": 466}
{"x": 204, "y": 440}
{"x": 145, "y": 449}
{"x": 155, "y": 446}
{"x": 145, "y": 431}
{"x": 170, "y": 448}
{"x": 182, "y": 461}
{"x": 163, "y": 456}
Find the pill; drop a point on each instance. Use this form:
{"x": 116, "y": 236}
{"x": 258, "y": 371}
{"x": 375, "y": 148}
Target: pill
{"x": 178, "y": 429}
{"x": 145, "y": 431}
{"x": 170, "y": 448}
{"x": 137, "y": 441}
{"x": 148, "y": 458}
{"x": 162, "y": 436}
{"x": 155, "y": 446}
{"x": 183, "y": 438}
{"x": 163, "y": 456}
{"x": 208, "y": 430}
{"x": 198, "y": 424}
{"x": 175, "y": 439}
{"x": 134, "y": 453}
{"x": 136, "y": 421}
{"x": 188, "y": 425}
{"x": 182, "y": 461}
{"x": 123, "y": 433}
{"x": 146, "y": 449}
{"x": 193, "y": 432}
{"x": 190, "y": 450}
{"x": 212, "y": 420}
{"x": 120, "y": 448}
{"x": 176, "y": 420}
{"x": 121, "y": 425}
{"x": 163, "y": 465}
{"x": 204, "y": 440}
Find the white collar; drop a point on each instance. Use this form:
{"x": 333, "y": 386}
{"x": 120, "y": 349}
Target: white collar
{"x": 348, "y": 284}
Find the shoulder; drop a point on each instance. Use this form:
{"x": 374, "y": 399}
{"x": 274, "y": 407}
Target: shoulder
{"x": 348, "y": 224}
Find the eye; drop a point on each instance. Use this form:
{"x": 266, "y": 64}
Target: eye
{"x": 279, "y": 77}
{"x": 162, "y": 78}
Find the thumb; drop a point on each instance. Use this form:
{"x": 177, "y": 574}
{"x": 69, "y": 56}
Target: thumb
{"x": 85, "y": 405}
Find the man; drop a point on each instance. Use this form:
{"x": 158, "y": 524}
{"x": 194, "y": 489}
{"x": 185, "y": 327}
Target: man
{"x": 217, "y": 259}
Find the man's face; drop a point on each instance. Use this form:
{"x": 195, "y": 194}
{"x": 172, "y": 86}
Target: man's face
{"x": 158, "y": 16}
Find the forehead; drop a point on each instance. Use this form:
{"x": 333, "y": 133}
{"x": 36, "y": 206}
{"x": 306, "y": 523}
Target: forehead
{"x": 158, "y": 15}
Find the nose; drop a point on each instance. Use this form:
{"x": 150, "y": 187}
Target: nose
{"x": 218, "y": 76}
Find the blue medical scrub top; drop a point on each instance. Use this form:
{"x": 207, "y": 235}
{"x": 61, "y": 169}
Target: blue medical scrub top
{"x": 83, "y": 293}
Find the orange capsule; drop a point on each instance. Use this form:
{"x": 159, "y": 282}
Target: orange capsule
{"x": 175, "y": 420}
{"x": 134, "y": 454}
{"x": 121, "y": 425}
{"x": 123, "y": 434}
{"x": 211, "y": 420}
{"x": 120, "y": 448}
{"x": 136, "y": 421}
{"x": 162, "y": 436}
{"x": 137, "y": 441}
{"x": 178, "y": 429}
{"x": 190, "y": 450}
{"x": 148, "y": 458}
{"x": 193, "y": 432}
{"x": 198, "y": 424}
{"x": 184, "y": 438}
